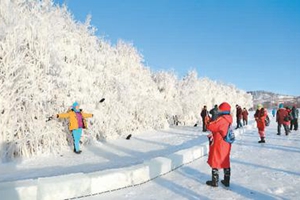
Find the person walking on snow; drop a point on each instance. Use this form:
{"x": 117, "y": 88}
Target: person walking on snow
{"x": 274, "y": 112}
{"x": 245, "y": 116}
{"x": 204, "y": 116}
{"x": 219, "y": 149}
{"x": 238, "y": 116}
{"x": 260, "y": 117}
{"x": 282, "y": 118}
{"x": 295, "y": 115}
{"x": 289, "y": 119}
{"x": 76, "y": 124}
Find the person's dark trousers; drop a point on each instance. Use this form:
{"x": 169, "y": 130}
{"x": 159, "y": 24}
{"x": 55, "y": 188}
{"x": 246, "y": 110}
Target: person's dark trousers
{"x": 245, "y": 122}
{"x": 286, "y": 129}
{"x": 239, "y": 123}
{"x": 203, "y": 125}
{"x": 278, "y": 129}
{"x": 294, "y": 123}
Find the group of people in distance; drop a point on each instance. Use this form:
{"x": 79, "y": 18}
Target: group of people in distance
{"x": 218, "y": 124}
{"x": 218, "y": 121}
{"x": 284, "y": 117}
{"x": 288, "y": 118}
{"x": 241, "y": 116}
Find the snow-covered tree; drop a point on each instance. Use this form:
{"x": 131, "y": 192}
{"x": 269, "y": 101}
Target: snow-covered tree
{"x": 48, "y": 60}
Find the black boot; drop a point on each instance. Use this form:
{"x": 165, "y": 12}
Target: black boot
{"x": 215, "y": 178}
{"x": 226, "y": 181}
{"x": 78, "y": 152}
{"x": 262, "y": 140}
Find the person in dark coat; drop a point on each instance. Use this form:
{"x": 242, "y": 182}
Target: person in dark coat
{"x": 214, "y": 113}
{"x": 238, "y": 116}
{"x": 176, "y": 121}
{"x": 245, "y": 116}
{"x": 204, "y": 116}
{"x": 282, "y": 119}
{"x": 219, "y": 149}
{"x": 295, "y": 115}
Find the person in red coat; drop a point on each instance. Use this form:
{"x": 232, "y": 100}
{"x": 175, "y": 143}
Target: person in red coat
{"x": 289, "y": 118}
{"x": 238, "y": 117}
{"x": 219, "y": 149}
{"x": 282, "y": 118}
{"x": 245, "y": 116}
{"x": 260, "y": 117}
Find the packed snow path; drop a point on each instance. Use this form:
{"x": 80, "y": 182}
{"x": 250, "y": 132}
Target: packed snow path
{"x": 259, "y": 171}
{"x": 106, "y": 155}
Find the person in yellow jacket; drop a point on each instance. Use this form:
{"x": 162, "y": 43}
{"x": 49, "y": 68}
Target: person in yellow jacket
{"x": 76, "y": 124}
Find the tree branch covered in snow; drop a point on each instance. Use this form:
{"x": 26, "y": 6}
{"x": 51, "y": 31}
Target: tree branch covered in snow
{"x": 48, "y": 61}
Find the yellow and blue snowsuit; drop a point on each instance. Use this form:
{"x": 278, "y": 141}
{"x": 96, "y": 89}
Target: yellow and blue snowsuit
{"x": 77, "y": 123}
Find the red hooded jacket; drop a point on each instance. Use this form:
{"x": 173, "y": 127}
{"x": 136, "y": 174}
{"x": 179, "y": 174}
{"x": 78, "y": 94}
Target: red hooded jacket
{"x": 280, "y": 115}
{"x": 219, "y": 150}
{"x": 260, "y": 116}
{"x": 239, "y": 112}
{"x": 245, "y": 114}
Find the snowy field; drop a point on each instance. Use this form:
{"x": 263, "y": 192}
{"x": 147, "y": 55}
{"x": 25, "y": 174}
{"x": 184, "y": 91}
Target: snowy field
{"x": 259, "y": 171}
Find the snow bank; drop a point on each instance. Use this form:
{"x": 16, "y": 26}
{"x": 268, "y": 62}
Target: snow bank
{"x": 79, "y": 184}
{"x": 48, "y": 61}
{"x": 19, "y": 190}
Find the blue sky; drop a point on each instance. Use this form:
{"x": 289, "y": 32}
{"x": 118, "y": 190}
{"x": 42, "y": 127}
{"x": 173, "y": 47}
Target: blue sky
{"x": 253, "y": 44}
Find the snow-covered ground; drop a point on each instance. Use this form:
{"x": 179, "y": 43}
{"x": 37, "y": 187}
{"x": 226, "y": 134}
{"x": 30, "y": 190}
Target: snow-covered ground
{"x": 259, "y": 171}
{"x": 107, "y": 155}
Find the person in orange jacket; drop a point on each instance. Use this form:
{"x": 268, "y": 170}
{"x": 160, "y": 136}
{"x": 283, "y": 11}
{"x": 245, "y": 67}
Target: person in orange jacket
{"x": 219, "y": 149}
{"x": 76, "y": 124}
{"x": 260, "y": 117}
